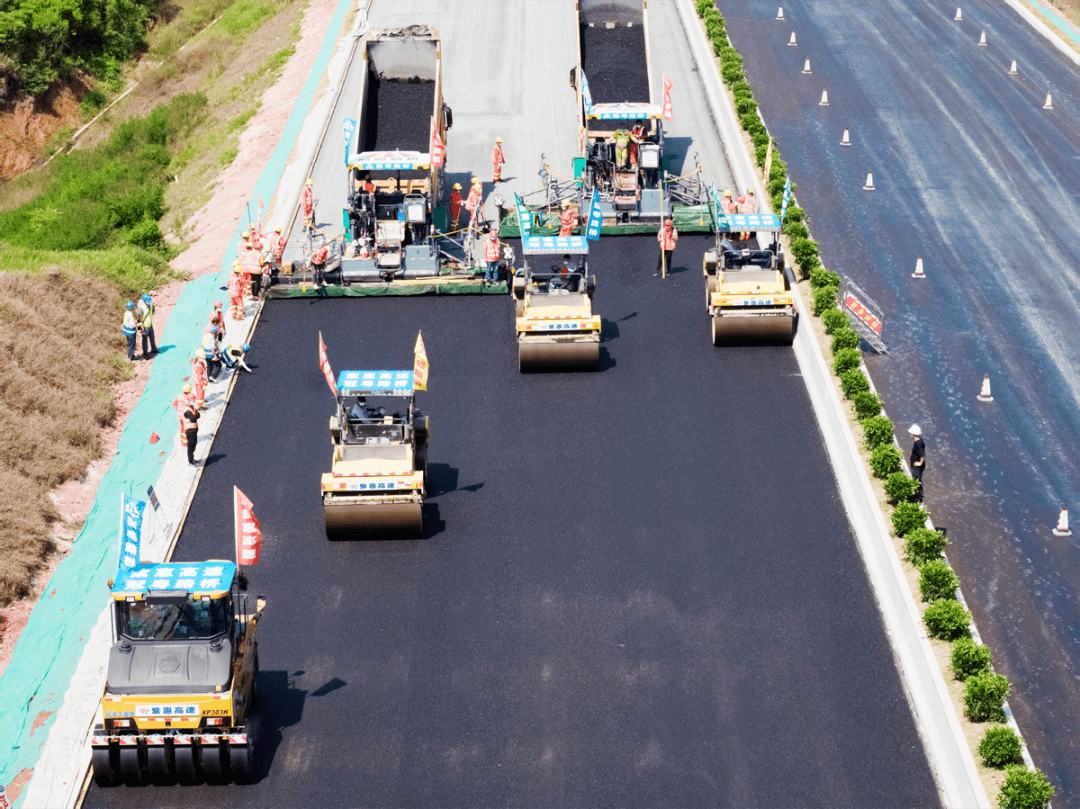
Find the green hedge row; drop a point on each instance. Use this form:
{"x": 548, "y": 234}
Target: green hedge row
{"x": 945, "y": 618}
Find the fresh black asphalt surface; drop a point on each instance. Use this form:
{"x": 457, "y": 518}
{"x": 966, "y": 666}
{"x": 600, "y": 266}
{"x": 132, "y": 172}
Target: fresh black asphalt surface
{"x": 637, "y": 587}
{"x": 976, "y": 178}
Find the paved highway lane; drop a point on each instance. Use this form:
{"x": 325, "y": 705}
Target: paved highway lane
{"x": 637, "y": 586}
{"x": 977, "y": 179}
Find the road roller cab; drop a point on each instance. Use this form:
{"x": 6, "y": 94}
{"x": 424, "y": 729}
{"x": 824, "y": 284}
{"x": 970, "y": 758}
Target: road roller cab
{"x": 555, "y": 326}
{"x": 380, "y": 443}
{"x": 748, "y": 289}
{"x": 180, "y": 690}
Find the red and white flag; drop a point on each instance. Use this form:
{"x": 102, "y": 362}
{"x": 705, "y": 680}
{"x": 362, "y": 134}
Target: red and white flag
{"x": 667, "y": 99}
{"x": 248, "y": 533}
{"x": 258, "y": 221}
{"x": 768, "y": 161}
{"x": 437, "y": 147}
{"x": 324, "y": 365}
{"x": 420, "y": 364}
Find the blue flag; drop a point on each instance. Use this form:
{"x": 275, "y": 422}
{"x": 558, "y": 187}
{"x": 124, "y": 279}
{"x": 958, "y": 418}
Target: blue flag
{"x": 595, "y": 219}
{"x": 131, "y": 519}
{"x": 718, "y": 215}
{"x": 350, "y": 127}
{"x": 586, "y": 96}
{"x": 787, "y": 199}
{"x": 524, "y": 217}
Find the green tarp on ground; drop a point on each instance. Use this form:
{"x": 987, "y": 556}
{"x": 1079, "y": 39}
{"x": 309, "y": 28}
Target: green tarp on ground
{"x": 365, "y": 290}
{"x": 688, "y": 219}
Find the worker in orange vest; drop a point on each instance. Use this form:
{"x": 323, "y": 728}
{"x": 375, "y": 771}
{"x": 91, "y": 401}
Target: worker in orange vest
{"x": 236, "y": 293}
{"x": 277, "y": 246}
{"x": 637, "y": 134}
{"x": 729, "y": 203}
{"x": 492, "y": 254}
{"x": 667, "y": 236}
{"x": 181, "y": 402}
{"x": 318, "y": 264}
{"x": 307, "y": 200}
{"x": 473, "y": 204}
{"x": 248, "y": 261}
{"x": 217, "y": 314}
{"x": 747, "y": 204}
{"x": 497, "y": 159}
{"x": 198, "y": 376}
{"x": 257, "y": 275}
{"x": 455, "y": 204}
{"x": 567, "y": 219}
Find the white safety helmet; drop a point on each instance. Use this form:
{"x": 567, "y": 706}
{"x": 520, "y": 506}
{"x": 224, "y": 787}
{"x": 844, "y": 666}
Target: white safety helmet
{"x": 915, "y": 429}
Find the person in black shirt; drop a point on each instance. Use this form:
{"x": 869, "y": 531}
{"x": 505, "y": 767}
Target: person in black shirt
{"x": 918, "y": 458}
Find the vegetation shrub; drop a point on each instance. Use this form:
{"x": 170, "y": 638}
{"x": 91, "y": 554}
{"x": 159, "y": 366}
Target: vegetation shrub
{"x": 731, "y": 72}
{"x": 867, "y": 405}
{"x": 703, "y": 7}
{"x": 853, "y": 381}
{"x": 824, "y": 299}
{"x": 109, "y": 190}
{"x": 937, "y": 580}
{"x": 805, "y": 252}
{"x": 922, "y": 545}
{"x": 740, "y": 87}
{"x": 843, "y": 338}
{"x": 146, "y": 234}
{"x": 795, "y": 213}
{"x": 745, "y": 105}
{"x": 984, "y": 693}
{"x": 1024, "y": 789}
{"x": 1000, "y": 746}
{"x": 878, "y": 430}
{"x": 970, "y": 658}
{"x": 822, "y": 277}
{"x": 885, "y": 460}
{"x": 846, "y": 359}
{"x": 906, "y": 517}
{"x": 946, "y": 619}
{"x": 834, "y": 319}
{"x": 900, "y": 486}
{"x": 714, "y": 28}
{"x": 46, "y": 40}
{"x": 777, "y": 175}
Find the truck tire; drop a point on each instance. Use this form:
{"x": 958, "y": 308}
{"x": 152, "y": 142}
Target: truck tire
{"x": 242, "y": 756}
{"x": 185, "y": 757}
{"x": 158, "y": 762}
{"x": 131, "y": 770}
{"x": 213, "y": 763}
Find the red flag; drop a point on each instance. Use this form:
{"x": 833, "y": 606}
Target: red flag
{"x": 667, "y": 99}
{"x": 248, "y": 533}
{"x": 324, "y": 364}
{"x": 437, "y": 148}
{"x": 420, "y": 364}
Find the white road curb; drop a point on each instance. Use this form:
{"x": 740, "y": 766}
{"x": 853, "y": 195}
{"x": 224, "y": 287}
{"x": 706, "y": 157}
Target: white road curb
{"x": 946, "y": 747}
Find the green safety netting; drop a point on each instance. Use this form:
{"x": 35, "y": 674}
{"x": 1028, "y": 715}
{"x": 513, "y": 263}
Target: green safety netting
{"x": 36, "y": 681}
{"x": 688, "y": 219}
{"x": 365, "y": 290}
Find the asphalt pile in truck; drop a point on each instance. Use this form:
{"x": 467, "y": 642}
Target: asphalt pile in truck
{"x": 614, "y": 63}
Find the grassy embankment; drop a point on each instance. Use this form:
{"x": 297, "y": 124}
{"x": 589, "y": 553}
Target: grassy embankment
{"x": 98, "y": 226}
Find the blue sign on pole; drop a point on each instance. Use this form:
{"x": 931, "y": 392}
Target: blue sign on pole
{"x": 524, "y": 217}
{"x": 586, "y": 96}
{"x": 131, "y": 518}
{"x": 787, "y": 199}
{"x": 596, "y": 217}
{"x": 350, "y": 127}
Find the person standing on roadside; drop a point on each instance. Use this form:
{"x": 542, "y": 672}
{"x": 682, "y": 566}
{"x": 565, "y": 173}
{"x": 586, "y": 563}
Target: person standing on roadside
{"x": 189, "y": 424}
{"x": 307, "y": 201}
{"x": 455, "y": 205}
{"x": 198, "y": 376}
{"x": 144, "y": 313}
{"x": 130, "y": 327}
{"x": 918, "y": 458}
{"x": 497, "y": 159}
{"x": 667, "y": 236}
{"x": 211, "y": 353}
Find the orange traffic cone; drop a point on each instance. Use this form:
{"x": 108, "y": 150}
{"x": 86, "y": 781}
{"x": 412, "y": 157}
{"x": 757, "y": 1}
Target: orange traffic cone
{"x": 918, "y": 270}
{"x": 824, "y": 99}
{"x": 869, "y": 182}
{"x": 982, "y": 40}
{"x": 846, "y": 141}
{"x": 1012, "y": 69}
{"x": 806, "y": 67}
{"x": 792, "y": 40}
{"x": 780, "y": 13}
{"x": 1062, "y": 529}
{"x": 958, "y": 16}
{"x": 984, "y": 394}
{"x": 1049, "y": 105}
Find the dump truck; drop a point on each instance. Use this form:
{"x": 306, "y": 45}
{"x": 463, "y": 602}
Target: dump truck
{"x": 622, "y": 133}
{"x": 380, "y": 441}
{"x": 179, "y": 703}
{"x": 554, "y": 322}
{"x": 395, "y": 171}
{"x": 748, "y": 287}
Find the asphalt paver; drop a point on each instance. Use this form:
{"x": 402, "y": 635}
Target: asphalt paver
{"x": 977, "y": 179}
{"x": 636, "y": 587}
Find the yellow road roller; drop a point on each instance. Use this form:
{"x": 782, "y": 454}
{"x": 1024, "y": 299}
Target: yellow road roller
{"x": 380, "y": 444}
{"x": 180, "y": 693}
{"x": 555, "y": 326}
{"x": 748, "y": 289}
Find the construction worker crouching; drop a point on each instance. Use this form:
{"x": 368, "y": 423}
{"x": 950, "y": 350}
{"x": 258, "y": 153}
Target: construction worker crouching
{"x": 234, "y": 355}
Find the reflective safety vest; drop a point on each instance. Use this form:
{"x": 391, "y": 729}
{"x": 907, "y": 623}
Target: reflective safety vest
{"x": 730, "y": 206}
{"x": 199, "y": 371}
{"x": 235, "y": 350}
{"x": 491, "y": 249}
{"x": 473, "y": 200}
{"x": 182, "y": 403}
{"x": 319, "y": 256}
{"x": 233, "y": 285}
{"x": 667, "y": 238}
{"x": 188, "y": 423}
{"x": 567, "y": 220}
{"x": 621, "y": 138}
{"x": 497, "y": 155}
{"x": 455, "y": 204}
{"x": 279, "y": 246}
{"x": 129, "y": 322}
{"x": 146, "y": 312}
{"x": 747, "y": 204}
{"x": 209, "y": 345}
{"x": 307, "y": 199}
{"x": 257, "y": 266}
